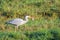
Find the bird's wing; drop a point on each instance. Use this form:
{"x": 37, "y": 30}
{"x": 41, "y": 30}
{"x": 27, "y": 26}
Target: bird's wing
{"x": 16, "y": 21}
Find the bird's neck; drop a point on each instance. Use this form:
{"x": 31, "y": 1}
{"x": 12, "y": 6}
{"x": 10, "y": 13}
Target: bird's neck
{"x": 26, "y": 18}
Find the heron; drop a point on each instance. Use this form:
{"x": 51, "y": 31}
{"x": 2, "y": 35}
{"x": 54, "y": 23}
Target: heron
{"x": 18, "y": 21}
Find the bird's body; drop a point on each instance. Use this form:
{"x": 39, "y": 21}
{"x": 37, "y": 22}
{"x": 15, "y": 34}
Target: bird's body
{"x": 19, "y": 21}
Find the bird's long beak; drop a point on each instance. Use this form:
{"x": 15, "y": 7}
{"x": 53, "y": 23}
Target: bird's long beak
{"x": 32, "y": 18}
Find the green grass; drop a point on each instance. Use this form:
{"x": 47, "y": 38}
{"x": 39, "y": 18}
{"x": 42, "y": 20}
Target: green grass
{"x": 41, "y": 29}
{"x": 46, "y": 25}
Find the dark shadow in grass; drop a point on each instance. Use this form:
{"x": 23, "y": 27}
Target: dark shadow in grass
{"x": 56, "y": 35}
{"x": 35, "y": 35}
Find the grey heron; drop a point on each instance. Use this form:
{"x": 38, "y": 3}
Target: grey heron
{"x": 17, "y": 22}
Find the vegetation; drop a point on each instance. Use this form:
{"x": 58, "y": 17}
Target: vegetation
{"x": 46, "y": 25}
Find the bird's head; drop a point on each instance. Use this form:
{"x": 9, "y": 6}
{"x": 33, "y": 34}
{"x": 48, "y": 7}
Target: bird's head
{"x": 30, "y": 17}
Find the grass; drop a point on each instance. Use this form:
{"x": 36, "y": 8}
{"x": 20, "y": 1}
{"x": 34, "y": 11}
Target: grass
{"x": 41, "y": 29}
{"x": 46, "y": 25}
